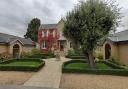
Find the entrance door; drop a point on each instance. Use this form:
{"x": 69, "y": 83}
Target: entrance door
{"x": 16, "y": 50}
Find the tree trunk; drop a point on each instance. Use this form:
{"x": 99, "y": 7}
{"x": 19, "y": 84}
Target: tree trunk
{"x": 91, "y": 59}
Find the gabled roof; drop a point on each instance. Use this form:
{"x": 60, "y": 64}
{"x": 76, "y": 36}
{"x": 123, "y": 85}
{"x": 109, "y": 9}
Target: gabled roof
{"x": 47, "y": 26}
{"x": 6, "y": 39}
{"x": 119, "y": 37}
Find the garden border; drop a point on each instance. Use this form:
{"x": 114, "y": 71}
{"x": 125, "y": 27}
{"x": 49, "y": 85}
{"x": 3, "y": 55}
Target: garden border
{"x": 117, "y": 71}
{"x": 22, "y": 68}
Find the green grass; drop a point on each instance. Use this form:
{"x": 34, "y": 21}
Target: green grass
{"x": 81, "y": 65}
{"x": 22, "y": 63}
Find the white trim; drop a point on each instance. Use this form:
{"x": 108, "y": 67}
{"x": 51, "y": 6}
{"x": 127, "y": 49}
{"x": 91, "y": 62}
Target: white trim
{"x": 15, "y": 41}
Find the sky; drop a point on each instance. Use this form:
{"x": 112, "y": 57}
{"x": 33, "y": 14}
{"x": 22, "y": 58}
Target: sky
{"x": 16, "y": 14}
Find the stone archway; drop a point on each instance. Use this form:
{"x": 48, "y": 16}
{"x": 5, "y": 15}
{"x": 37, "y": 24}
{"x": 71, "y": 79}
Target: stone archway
{"x": 107, "y": 51}
{"x": 16, "y": 51}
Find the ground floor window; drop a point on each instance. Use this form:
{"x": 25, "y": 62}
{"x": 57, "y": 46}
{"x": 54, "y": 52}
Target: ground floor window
{"x": 44, "y": 44}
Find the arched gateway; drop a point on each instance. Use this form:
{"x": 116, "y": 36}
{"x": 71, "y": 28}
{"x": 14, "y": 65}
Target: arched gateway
{"x": 16, "y": 51}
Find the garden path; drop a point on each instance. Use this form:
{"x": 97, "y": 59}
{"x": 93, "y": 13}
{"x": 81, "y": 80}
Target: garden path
{"x": 49, "y": 76}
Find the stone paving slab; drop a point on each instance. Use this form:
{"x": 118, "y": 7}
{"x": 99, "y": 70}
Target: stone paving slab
{"x": 22, "y": 87}
{"x": 49, "y": 76}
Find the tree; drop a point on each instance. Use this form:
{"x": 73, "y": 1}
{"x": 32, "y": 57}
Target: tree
{"x": 32, "y": 30}
{"x": 88, "y": 22}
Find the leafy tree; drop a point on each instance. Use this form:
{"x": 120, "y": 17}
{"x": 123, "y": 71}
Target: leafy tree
{"x": 32, "y": 30}
{"x": 88, "y": 22}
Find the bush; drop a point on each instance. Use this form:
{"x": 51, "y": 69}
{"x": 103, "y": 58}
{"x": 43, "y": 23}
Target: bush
{"x": 113, "y": 65}
{"x": 113, "y": 60}
{"x": 99, "y": 56}
{"x": 75, "y": 53}
{"x": 116, "y": 71}
{"x": 76, "y": 57}
{"x": 5, "y": 56}
{"x": 70, "y": 53}
{"x": 8, "y": 67}
{"x": 25, "y": 54}
{"x": 36, "y": 53}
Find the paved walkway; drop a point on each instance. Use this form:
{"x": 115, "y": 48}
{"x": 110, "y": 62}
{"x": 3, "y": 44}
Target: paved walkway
{"x": 49, "y": 76}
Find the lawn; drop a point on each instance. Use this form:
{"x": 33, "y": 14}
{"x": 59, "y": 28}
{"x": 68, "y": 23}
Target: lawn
{"x": 22, "y": 65}
{"x": 80, "y": 65}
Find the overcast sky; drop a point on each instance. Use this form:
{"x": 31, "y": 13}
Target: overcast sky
{"x": 16, "y": 14}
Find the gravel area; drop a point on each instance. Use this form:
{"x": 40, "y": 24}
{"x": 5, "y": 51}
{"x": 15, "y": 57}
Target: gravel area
{"x": 14, "y": 77}
{"x": 86, "y": 81}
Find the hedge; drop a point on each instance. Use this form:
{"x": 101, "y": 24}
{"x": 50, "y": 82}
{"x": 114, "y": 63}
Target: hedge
{"x": 116, "y": 71}
{"x": 76, "y": 57}
{"x": 42, "y": 56}
{"x": 21, "y": 68}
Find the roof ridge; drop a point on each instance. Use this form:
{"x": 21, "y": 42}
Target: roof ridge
{"x": 10, "y": 35}
{"x": 122, "y": 31}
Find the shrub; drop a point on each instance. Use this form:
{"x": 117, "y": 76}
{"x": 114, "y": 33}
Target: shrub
{"x": 76, "y": 57}
{"x": 5, "y": 56}
{"x": 70, "y": 53}
{"x": 75, "y": 54}
{"x": 25, "y": 54}
{"x": 98, "y": 55}
{"x": 78, "y": 52}
{"x": 35, "y": 51}
{"x": 115, "y": 61}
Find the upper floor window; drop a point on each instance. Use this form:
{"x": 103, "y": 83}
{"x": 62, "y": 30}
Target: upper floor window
{"x": 44, "y": 33}
{"x": 54, "y": 33}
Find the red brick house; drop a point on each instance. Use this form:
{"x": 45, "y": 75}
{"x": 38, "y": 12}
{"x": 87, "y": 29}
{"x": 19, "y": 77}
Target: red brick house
{"x": 50, "y": 37}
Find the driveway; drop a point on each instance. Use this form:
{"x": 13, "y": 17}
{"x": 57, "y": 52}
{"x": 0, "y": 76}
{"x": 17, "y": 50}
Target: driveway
{"x": 23, "y": 87}
{"x": 14, "y": 77}
{"x": 49, "y": 76}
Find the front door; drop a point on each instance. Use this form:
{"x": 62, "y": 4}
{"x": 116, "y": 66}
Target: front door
{"x": 62, "y": 45}
{"x": 16, "y": 50}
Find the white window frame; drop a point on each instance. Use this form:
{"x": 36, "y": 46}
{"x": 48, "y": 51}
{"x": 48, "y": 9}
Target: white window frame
{"x": 43, "y": 44}
{"x": 53, "y": 33}
{"x": 47, "y": 33}
{"x": 44, "y": 33}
